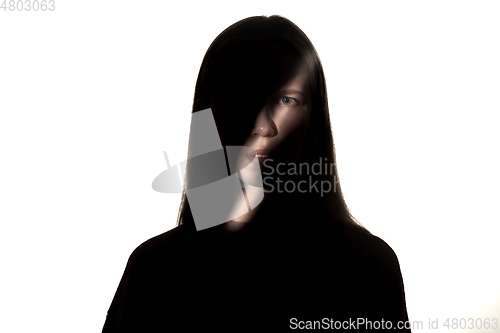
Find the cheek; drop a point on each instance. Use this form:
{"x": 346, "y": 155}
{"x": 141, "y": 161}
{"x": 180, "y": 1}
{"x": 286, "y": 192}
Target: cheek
{"x": 292, "y": 128}
{"x": 292, "y": 123}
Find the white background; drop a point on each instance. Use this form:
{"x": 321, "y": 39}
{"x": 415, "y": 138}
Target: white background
{"x": 93, "y": 92}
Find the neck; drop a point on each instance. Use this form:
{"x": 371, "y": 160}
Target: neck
{"x": 280, "y": 210}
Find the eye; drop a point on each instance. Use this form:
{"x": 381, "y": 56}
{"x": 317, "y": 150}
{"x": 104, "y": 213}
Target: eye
{"x": 285, "y": 100}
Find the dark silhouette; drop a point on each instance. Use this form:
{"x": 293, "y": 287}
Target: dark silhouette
{"x": 298, "y": 260}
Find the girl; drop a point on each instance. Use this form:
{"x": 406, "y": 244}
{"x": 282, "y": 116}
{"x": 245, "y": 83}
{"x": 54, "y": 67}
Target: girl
{"x": 297, "y": 258}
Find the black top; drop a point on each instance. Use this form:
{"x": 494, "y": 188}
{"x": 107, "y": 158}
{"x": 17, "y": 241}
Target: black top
{"x": 273, "y": 279}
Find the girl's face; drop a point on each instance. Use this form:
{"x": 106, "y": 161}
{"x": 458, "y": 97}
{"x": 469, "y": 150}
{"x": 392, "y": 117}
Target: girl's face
{"x": 281, "y": 125}
{"x": 277, "y": 134}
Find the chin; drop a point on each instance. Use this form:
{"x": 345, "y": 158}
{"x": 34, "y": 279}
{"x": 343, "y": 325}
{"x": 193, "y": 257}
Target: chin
{"x": 235, "y": 225}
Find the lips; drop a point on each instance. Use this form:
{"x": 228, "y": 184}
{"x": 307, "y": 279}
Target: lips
{"x": 260, "y": 153}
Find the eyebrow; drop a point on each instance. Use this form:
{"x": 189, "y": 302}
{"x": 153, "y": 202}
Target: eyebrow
{"x": 291, "y": 91}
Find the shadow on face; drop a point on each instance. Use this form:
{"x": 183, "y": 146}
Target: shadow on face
{"x": 260, "y": 97}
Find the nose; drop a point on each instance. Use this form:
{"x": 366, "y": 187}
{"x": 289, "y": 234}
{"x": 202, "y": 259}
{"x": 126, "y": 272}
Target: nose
{"x": 264, "y": 125}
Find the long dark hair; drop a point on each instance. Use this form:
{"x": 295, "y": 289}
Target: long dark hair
{"x": 242, "y": 67}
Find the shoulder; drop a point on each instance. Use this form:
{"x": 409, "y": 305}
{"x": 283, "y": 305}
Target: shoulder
{"x": 370, "y": 248}
{"x": 167, "y": 244}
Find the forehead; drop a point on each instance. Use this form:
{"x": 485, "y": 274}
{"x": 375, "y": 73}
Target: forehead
{"x": 261, "y": 66}
{"x": 297, "y": 84}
